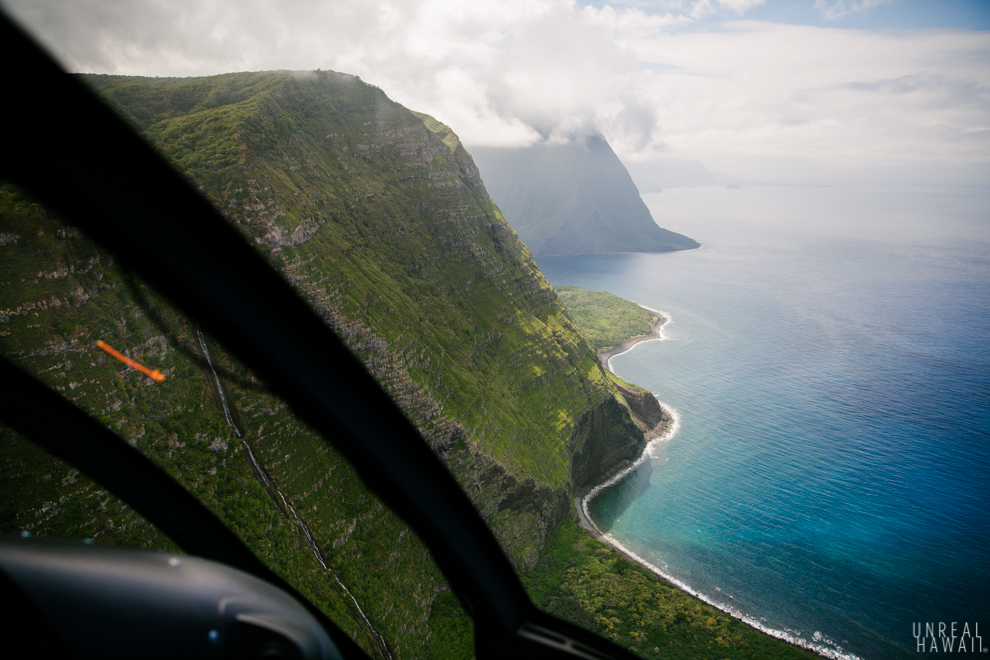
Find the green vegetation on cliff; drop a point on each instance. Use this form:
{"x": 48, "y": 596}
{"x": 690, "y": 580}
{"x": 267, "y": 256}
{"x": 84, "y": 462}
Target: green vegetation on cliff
{"x": 384, "y": 226}
{"x": 60, "y": 293}
{"x": 608, "y": 321}
{"x": 590, "y": 584}
{"x": 388, "y": 230}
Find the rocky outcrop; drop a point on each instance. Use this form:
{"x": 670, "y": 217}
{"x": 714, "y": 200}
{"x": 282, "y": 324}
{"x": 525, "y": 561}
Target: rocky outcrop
{"x": 644, "y": 406}
{"x": 521, "y": 512}
{"x": 604, "y": 440}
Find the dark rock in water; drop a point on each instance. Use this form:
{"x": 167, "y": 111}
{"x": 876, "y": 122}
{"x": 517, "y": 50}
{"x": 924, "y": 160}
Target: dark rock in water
{"x": 574, "y": 198}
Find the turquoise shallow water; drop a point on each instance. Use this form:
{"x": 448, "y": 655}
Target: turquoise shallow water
{"x": 829, "y": 361}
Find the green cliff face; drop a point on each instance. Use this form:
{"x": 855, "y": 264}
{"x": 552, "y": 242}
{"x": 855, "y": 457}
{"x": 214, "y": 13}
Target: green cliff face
{"x": 573, "y": 199}
{"x": 379, "y": 217}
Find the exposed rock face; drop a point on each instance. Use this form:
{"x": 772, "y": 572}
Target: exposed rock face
{"x": 573, "y": 198}
{"x": 604, "y": 438}
{"x": 644, "y": 406}
{"x": 521, "y": 512}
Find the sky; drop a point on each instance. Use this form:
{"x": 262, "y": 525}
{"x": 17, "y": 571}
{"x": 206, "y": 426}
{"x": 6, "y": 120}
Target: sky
{"x": 813, "y": 91}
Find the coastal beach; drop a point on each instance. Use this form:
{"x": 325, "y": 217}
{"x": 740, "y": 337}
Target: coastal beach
{"x": 655, "y": 334}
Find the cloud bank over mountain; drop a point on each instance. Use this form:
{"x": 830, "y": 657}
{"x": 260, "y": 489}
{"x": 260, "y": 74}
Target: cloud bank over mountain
{"x": 701, "y": 79}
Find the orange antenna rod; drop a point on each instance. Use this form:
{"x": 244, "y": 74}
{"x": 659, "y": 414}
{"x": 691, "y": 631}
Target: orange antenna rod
{"x": 156, "y": 375}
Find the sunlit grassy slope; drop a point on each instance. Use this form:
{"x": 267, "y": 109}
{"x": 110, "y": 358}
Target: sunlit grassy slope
{"x": 603, "y": 318}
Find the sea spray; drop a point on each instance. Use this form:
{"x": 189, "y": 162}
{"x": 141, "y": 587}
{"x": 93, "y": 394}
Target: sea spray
{"x": 829, "y": 473}
{"x": 650, "y": 448}
{"x": 833, "y": 652}
{"x": 828, "y": 650}
{"x": 648, "y": 452}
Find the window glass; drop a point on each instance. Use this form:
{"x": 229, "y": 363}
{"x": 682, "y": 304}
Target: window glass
{"x": 44, "y": 496}
{"x": 214, "y": 428}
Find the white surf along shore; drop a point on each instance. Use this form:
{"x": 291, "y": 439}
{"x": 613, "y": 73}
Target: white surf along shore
{"x": 818, "y": 643}
{"x": 606, "y": 357}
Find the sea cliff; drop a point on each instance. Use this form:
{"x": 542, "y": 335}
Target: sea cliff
{"x": 573, "y": 198}
{"x": 597, "y": 582}
{"x": 380, "y": 220}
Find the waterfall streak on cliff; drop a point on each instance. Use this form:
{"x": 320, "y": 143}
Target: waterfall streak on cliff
{"x": 270, "y": 487}
{"x": 311, "y": 542}
{"x": 216, "y": 380}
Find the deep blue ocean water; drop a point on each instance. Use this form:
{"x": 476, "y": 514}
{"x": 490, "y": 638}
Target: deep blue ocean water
{"x": 829, "y": 363}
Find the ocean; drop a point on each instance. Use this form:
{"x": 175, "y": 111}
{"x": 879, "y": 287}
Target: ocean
{"x": 828, "y": 360}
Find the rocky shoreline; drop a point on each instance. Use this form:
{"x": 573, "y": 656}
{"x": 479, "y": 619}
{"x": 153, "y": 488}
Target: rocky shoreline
{"x": 658, "y": 425}
{"x": 658, "y": 432}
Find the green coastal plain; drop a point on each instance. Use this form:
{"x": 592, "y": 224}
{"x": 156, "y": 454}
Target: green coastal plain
{"x": 379, "y": 218}
{"x": 604, "y": 319}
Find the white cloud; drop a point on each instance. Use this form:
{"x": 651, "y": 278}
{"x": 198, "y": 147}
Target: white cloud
{"x": 835, "y": 9}
{"x": 506, "y": 72}
{"x": 845, "y": 98}
{"x": 688, "y": 7}
{"x": 741, "y": 6}
{"x": 634, "y": 22}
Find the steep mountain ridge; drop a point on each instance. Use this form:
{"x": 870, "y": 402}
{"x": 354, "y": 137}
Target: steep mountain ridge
{"x": 574, "y": 198}
{"x": 380, "y": 219}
